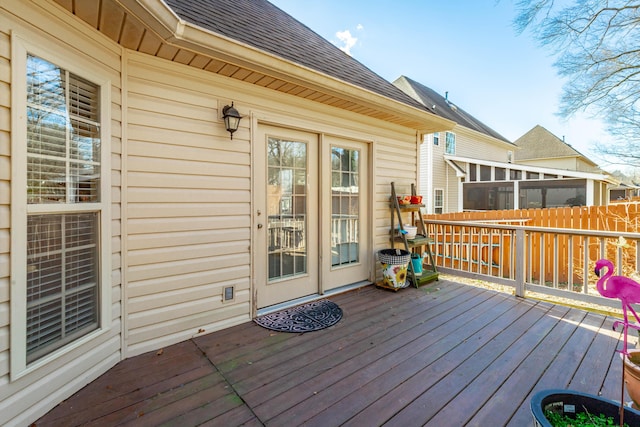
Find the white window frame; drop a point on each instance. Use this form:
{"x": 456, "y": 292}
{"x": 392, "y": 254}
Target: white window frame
{"x": 449, "y": 144}
{"x": 435, "y": 198}
{"x": 78, "y": 64}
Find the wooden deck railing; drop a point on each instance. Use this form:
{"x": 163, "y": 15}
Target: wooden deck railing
{"x": 553, "y": 261}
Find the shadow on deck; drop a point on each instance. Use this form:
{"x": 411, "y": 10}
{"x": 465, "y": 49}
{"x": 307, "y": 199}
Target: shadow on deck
{"x": 446, "y": 354}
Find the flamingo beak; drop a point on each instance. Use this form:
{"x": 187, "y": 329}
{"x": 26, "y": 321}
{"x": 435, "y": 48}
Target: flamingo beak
{"x": 597, "y": 271}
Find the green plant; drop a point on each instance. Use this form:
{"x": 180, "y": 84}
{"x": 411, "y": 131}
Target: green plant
{"x": 582, "y": 419}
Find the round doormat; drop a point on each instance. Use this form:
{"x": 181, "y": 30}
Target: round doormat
{"x": 308, "y": 317}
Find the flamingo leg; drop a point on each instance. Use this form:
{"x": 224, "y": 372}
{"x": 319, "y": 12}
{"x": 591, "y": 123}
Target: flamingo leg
{"x": 634, "y": 314}
{"x": 626, "y": 325}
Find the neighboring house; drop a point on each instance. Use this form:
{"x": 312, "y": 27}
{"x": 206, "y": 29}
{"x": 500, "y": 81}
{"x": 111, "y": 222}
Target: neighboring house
{"x": 472, "y": 167}
{"x": 623, "y": 191}
{"x": 574, "y": 179}
{"x": 441, "y": 176}
{"x": 539, "y": 147}
{"x": 131, "y": 220}
{"x": 626, "y": 190}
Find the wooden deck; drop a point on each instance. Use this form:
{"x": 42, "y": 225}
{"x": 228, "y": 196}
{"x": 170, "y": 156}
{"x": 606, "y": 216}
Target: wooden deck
{"x": 446, "y": 354}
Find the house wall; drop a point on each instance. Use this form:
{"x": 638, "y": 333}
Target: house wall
{"x": 181, "y": 216}
{"x": 468, "y": 144}
{"x": 187, "y": 188}
{"x": 188, "y": 193}
{"x": 433, "y": 171}
{"x": 451, "y": 191}
{"x": 567, "y": 163}
{"x": 22, "y": 398}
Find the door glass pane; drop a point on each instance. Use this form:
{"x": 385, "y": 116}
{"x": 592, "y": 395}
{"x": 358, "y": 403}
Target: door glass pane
{"x": 345, "y": 206}
{"x": 287, "y": 208}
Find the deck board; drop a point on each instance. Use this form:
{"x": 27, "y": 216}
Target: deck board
{"x": 444, "y": 354}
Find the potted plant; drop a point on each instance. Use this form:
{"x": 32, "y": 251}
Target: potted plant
{"x": 555, "y": 408}
{"x": 549, "y": 405}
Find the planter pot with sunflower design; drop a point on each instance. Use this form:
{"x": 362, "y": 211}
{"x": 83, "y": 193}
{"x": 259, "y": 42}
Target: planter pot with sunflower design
{"x": 394, "y": 267}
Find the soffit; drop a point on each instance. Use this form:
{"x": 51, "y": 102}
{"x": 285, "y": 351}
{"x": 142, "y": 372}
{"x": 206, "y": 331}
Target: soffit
{"x": 149, "y": 27}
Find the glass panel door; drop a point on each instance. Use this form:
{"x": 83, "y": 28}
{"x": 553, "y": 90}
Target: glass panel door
{"x": 286, "y": 215}
{"x": 345, "y": 213}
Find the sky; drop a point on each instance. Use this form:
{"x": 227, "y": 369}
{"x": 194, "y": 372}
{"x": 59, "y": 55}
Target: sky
{"x": 468, "y": 48}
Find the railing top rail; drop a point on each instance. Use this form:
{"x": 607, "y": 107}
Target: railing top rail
{"x": 553, "y": 230}
{"x": 498, "y": 221}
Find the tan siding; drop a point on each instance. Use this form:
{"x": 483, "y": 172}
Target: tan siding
{"x": 181, "y": 190}
{"x": 5, "y": 215}
{"x": 451, "y": 192}
{"x": 568, "y": 163}
{"x": 24, "y": 399}
{"x": 395, "y": 161}
{"x": 188, "y": 216}
{"x": 478, "y": 146}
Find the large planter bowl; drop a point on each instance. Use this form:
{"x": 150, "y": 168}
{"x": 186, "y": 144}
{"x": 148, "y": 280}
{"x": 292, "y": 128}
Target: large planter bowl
{"x": 569, "y": 402}
{"x": 632, "y": 376}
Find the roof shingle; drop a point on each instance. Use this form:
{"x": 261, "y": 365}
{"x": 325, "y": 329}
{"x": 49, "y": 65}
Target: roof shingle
{"x": 262, "y": 25}
{"x": 442, "y": 107}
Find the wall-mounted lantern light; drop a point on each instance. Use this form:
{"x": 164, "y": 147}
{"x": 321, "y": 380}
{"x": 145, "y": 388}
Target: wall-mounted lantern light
{"x": 231, "y": 118}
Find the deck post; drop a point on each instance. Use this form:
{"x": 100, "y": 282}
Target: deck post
{"x": 520, "y": 262}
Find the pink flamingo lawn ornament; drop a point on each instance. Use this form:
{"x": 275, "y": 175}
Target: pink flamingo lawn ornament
{"x": 628, "y": 292}
{"x": 625, "y": 289}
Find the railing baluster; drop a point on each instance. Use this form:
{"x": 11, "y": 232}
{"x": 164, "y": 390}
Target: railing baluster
{"x": 543, "y": 248}
{"x": 555, "y": 261}
{"x": 519, "y": 276}
{"x": 570, "y": 267}
{"x": 529, "y": 257}
{"x": 585, "y": 265}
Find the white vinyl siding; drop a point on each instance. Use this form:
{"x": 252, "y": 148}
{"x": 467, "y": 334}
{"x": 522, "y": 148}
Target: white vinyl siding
{"x": 468, "y": 143}
{"x": 433, "y": 172}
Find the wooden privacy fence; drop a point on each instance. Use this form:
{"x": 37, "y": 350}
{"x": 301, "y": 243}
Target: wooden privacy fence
{"x": 557, "y": 247}
{"x": 623, "y": 217}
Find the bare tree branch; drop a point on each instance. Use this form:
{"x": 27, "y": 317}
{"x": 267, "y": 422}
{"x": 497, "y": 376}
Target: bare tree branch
{"x": 596, "y": 43}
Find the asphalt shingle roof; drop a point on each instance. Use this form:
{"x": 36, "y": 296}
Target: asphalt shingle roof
{"x": 262, "y": 25}
{"x": 442, "y": 107}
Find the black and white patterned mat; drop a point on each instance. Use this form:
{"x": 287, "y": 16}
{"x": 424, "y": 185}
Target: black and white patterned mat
{"x": 308, "y": 317}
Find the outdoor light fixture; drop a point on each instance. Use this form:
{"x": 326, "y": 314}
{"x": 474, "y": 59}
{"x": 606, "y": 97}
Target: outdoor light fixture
{"x": 231, "y": 118}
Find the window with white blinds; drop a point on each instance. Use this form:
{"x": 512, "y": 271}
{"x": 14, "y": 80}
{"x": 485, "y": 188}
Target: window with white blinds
{"x": 63, "y": 211}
